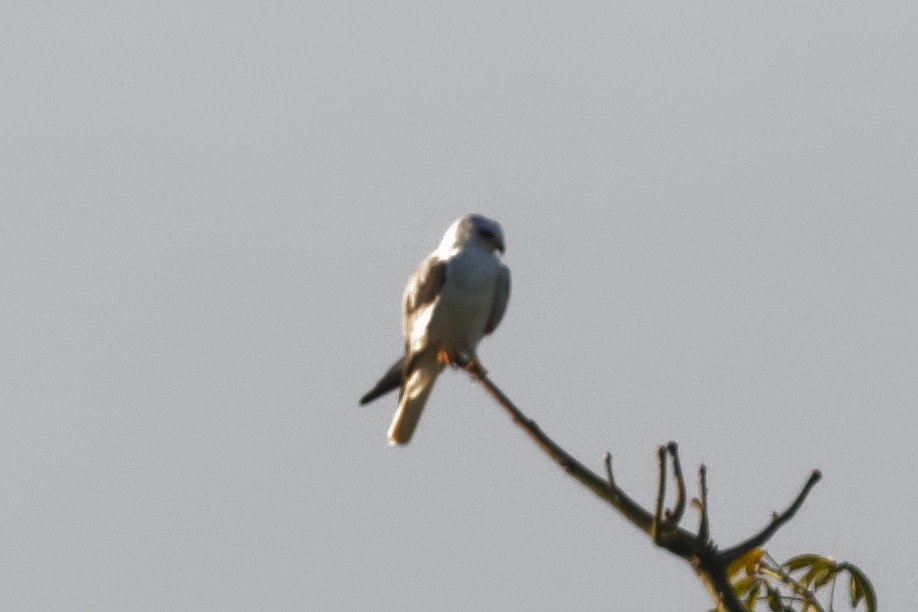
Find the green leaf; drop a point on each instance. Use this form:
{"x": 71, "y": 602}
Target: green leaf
{"x": 752, "y": 596}
{"x": 870, "y": 596}
{"x": 821, "y": 570}
{"x": 856, "y": 592}
{"x": 801, "y": 561}
{"x": 741, "y": 586}
{"x": 860, "y": 587}
{"x": 823, "y": 575}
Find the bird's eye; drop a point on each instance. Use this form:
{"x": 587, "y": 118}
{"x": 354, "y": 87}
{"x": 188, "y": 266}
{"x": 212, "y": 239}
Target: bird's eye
{"x": 486, "y": 233}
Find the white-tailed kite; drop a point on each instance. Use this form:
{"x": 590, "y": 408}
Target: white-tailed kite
{"x": 455, "y": 297}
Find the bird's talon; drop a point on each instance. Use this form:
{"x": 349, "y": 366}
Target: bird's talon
{"x": 443, "y": 357}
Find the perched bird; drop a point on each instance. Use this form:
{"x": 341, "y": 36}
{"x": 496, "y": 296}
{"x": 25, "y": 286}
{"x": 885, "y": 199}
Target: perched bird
{"x": 456, "y": 296}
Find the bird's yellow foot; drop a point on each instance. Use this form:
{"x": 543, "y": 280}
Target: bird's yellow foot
{"x": 444, "y": 358}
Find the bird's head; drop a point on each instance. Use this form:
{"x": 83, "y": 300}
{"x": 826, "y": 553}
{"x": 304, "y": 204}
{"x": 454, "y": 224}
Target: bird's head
{"x": 475, "y": 229}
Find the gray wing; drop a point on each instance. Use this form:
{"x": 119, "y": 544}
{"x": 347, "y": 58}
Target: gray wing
{"x": 423, "y": 288}
{"x": 501, "y": 297}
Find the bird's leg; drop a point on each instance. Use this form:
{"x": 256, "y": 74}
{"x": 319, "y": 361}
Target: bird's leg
{"x": 472, "y": 366}
{"x": 469, "y": 363}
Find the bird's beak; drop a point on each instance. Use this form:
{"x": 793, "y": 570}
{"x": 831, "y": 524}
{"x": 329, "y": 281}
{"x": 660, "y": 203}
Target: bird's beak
{"x": 499, "y": 245}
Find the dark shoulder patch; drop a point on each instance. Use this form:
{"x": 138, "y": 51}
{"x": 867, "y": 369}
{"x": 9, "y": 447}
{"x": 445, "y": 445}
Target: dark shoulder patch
{"x": 425, "y": 284}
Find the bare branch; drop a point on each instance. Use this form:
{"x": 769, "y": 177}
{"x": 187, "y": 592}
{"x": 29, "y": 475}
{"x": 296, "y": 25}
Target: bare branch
{"x": 663, "y": 526}
{"x": 704, "y": 530}
{"x": 661, "y": 493}
{"x": 776, "y": 522}
{"x": 675, "y": 517}
{"x": 608, "y": 461}
{"x": 607, "y": 490}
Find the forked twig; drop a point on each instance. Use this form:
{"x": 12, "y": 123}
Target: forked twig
{"x": 777, "y": 521}
{"x": 664, "y": 529}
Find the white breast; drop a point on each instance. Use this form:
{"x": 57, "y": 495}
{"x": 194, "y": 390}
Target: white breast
{"x": 459, "y": 316}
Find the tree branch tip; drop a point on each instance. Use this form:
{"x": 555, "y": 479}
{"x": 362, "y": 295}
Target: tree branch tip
{"x": 607, "y": 459}
{"x": 658, "y": 515}
{"x": 679, "y": 508}
{"x": 661, "y": 523}
{"x": 778, "y": 519}
{"x": 704, "y": 532}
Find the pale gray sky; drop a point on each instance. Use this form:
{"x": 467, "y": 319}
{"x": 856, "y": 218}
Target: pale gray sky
{"x": 209, "y": 213}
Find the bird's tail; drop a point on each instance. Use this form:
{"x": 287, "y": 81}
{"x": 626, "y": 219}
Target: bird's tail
{"x": 417, "y": 387}
{"x": 390, "y": 381}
